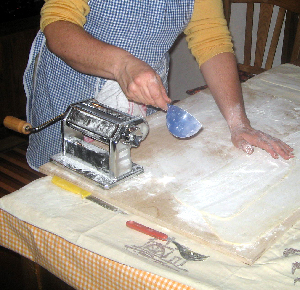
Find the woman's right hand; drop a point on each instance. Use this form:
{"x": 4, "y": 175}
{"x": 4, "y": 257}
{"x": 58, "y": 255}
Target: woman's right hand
{"x": 141, "y": 83}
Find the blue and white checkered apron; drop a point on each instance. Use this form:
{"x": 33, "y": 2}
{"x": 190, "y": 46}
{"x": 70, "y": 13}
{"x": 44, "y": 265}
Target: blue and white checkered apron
{"x": 145, "y": 28}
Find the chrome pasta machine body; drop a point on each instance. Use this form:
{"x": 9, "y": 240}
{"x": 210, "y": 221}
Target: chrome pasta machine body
{"x": 109, "y": 164}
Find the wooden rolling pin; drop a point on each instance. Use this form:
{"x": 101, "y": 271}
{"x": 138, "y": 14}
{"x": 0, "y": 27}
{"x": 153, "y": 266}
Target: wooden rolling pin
{"x": 17, "y": 125}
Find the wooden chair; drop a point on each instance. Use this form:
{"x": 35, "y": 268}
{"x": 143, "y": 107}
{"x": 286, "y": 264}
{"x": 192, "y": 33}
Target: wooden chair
{"x": 289, "y": 10}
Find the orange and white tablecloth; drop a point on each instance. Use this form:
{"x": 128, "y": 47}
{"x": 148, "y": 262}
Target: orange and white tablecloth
{"x": 74, "y": 256}
{"x": 76, "y": 266}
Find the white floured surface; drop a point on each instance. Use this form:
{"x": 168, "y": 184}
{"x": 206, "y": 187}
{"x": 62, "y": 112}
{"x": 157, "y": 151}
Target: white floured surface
{"x": 239, "y": 197}
{"x": 248, "y": 197}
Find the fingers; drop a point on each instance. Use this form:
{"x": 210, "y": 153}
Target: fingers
{"x": 142, "y": 84}
{"x": 158, "y": 94}
{"x": 274, "y": 146}
{"x": 284, "y": 150}
{"x": 245, "y": 139}
{"x": 149, "y": 89}
{"x": 245, "y": 146}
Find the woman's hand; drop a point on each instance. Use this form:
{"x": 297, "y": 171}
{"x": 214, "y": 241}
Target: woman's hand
{"x": 221, "y": 76}
{"x": 245, "y": 137}
{"x": 141, "y": 83}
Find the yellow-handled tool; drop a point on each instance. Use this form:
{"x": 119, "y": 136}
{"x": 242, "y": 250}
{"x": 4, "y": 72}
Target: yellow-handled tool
{"x": 84, "y": 193}
{"x": 70, "y": 186}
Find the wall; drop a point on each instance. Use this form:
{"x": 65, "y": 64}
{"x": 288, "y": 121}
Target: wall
{"x": 184, "y": 71}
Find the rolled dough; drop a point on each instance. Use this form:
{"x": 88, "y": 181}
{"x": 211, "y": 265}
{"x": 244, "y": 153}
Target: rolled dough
{"x": 242, "y": 201}
{"x": 245, "y": 196}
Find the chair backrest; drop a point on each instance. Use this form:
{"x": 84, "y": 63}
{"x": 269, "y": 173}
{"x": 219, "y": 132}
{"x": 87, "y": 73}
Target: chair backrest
{"x": 287, "y": 10}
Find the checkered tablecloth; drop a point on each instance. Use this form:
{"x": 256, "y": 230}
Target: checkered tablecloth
{"x": 78, "y": 267}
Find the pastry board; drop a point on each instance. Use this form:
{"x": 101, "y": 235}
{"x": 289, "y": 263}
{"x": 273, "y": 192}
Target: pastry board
{"x": 206, "y": 189}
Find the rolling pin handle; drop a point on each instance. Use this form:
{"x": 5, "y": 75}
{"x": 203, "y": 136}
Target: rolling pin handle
{"x": 17, "y": 125}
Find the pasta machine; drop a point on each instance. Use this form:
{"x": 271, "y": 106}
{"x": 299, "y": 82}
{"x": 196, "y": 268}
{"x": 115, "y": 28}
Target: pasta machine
{"x": 118, "y": 130}
{"x": 89, "y": 120}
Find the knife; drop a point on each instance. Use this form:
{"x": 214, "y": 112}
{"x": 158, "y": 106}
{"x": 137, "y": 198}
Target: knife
{"x": 84, "y": 193}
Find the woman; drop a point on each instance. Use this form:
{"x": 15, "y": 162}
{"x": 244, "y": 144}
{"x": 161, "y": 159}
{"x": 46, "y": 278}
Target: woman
{"x": 117, "y": 52}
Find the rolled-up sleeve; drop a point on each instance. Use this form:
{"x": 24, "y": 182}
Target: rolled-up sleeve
{"x": 74, "y": 11}
{"x": 207, "y": 33}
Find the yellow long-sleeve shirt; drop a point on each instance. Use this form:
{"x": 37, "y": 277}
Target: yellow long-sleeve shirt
{"x": 207, "y": 32}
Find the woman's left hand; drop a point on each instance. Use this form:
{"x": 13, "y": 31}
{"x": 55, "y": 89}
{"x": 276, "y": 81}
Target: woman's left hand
{"x": 245, "y": 138}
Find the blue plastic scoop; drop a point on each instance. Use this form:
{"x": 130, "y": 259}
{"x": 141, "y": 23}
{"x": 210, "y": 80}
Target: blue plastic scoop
{"x": 180, "y": 123}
